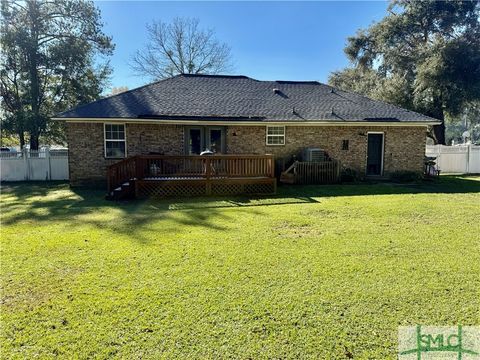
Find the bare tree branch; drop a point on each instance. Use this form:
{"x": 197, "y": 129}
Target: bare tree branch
{"x": 181, "y": 47}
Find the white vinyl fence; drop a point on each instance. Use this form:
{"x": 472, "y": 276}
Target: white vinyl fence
{"x": 42, "y": 164}
{"x": 463, "y": 159}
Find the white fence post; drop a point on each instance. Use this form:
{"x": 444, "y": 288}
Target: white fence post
{"x": 467, "y": 170}
{"x": 27, "y": 164}
{"x": 47, "y": 156}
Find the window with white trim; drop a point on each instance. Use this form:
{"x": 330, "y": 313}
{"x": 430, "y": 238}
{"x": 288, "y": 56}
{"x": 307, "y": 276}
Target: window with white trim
{"x": 275, "y": 135}
{"x": 115, "y": 143}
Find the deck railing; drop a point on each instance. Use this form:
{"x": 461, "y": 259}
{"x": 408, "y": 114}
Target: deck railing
{"x": 121, "y": 172}
{"x": 189, "y": 166}
{"x": 324, "y": 172}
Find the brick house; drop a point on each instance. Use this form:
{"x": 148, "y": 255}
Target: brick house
{"x": 187, "y": 114}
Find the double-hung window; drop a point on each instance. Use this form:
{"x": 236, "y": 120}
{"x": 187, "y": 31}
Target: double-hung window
{"x": 115, "y": 144}
{"x": 275, "y": 135}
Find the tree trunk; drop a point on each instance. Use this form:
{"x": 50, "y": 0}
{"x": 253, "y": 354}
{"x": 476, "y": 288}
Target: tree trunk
{"x": 436, "y": 112}
{"x": 34, "y": 142}
{"x": 33, "y": 60}
{"x": 21, "y": 136}
{"x": 439, "y": 133}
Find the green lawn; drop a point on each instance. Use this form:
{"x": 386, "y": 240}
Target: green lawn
{"x": 314, "y": 272}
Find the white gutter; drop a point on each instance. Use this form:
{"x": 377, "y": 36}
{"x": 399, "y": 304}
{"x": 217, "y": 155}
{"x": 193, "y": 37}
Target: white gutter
{"x": 248, "y": 123}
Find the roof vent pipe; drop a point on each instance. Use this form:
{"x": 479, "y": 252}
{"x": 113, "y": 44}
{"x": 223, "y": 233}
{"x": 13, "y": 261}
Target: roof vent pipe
{"x": 276, "y": 91}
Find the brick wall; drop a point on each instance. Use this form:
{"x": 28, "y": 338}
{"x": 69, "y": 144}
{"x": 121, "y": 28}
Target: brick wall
{"x": 404, "y": 146}
{"x": 87, "y": 162}
{"x": 86, "y": 154}
{"x": 404, "y": 149}
{"x": 162, "y": 139}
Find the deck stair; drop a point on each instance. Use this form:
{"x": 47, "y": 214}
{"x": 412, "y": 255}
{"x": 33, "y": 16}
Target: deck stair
{"x": 122, "y": 192}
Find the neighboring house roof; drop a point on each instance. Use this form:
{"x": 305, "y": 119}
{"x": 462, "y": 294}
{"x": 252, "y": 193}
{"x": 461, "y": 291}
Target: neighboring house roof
{"x": 240, "y": 98}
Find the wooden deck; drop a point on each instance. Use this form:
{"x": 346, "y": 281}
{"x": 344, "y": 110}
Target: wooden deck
{"x": 144, "y": 176}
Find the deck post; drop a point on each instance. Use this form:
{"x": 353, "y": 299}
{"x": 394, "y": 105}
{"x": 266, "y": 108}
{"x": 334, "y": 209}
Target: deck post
{"x": 138, "y": 167}
{"x": 338, "y": 163}
{"x": 208, "y": 172}
{"x": 109, "y": 181}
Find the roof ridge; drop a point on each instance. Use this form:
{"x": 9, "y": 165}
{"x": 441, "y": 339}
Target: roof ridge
{"x": 218, "y": 76}
{"x": 306, "y": 82}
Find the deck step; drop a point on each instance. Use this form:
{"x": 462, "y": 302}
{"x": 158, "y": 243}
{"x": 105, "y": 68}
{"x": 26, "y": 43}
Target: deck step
{"x": 125, "y": 191}
{"x": 287, "y": 178}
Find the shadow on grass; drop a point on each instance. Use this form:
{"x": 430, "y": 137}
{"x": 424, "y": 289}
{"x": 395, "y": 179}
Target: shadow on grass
{"x": 47, "y": 202}
{"x": 55, "y": 201}
{"x": 447, "y": 184}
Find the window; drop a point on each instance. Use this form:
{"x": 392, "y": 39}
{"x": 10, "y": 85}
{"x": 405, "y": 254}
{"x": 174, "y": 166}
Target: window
{"x": 345, "y": 144}
{"x": 275, "y": 135}
{"x": 115, "y": 141}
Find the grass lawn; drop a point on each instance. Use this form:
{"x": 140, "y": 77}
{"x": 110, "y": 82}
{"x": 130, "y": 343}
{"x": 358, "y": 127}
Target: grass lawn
{"x": 314, "y": 272}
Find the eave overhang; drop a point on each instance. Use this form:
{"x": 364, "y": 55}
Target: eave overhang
{"x": 245, "y": 121}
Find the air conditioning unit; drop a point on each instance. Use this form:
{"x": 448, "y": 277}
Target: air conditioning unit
{"x": 313, "y": 155}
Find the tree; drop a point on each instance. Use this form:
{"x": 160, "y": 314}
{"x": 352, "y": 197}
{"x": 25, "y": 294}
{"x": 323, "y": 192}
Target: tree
{"x": 181, "y": 47}
{"x": 424, "y": 55}
{"x": 469, "y": 121}
{"x": 49, "y": 63}
{"x": 118, "y": 90}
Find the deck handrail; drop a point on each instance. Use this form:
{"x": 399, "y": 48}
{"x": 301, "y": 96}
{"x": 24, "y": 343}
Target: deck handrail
{"x": 120, "y": 172}
{"x": 189, "y": 166}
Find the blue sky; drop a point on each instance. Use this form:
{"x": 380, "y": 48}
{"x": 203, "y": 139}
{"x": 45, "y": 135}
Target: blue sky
{"x": 269, "y": 40}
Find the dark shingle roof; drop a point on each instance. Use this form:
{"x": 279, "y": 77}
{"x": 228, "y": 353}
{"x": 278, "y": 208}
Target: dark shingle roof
{"x": 226, "y": 98}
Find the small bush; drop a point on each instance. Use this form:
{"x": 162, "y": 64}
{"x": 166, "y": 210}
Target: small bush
{"x": 349, "y": 175}
{"x": 405, "y": 176}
